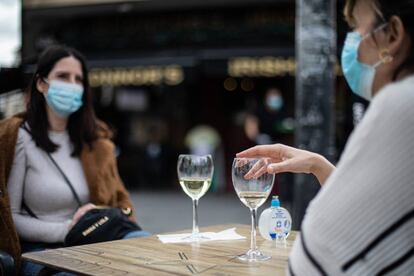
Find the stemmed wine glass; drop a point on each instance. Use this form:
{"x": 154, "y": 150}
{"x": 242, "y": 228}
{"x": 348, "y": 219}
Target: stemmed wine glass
{"x": 195, "y": 174}
{"x": 253, "y": 185}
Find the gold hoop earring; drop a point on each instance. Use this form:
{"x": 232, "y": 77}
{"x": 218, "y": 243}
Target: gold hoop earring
{"x": 385, "y": 56}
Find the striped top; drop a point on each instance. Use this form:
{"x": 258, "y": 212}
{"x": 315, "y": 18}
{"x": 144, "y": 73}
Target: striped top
{"x": 361, "y": 222}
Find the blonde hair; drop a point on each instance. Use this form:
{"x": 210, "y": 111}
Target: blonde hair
{"x": 385, "y": 9}
{"x": 350, "y": 6}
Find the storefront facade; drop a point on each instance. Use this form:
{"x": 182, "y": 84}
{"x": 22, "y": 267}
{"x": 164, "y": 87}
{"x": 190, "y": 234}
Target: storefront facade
{"x": 159, "y": 70}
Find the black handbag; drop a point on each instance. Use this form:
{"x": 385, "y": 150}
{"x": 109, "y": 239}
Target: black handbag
{"x": 97, "y": 225}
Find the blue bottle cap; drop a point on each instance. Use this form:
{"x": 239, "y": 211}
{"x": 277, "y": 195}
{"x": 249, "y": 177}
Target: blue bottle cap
{"x": 275, "y": 201}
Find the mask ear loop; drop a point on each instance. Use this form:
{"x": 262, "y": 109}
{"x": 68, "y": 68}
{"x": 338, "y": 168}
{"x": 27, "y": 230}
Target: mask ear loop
{"x": 384, "y": 54}
{"x": 38, "y": 77}
{"x": 383, "y": 25}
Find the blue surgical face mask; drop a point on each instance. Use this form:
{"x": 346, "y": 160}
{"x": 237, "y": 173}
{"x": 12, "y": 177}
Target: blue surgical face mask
{"x": 64, "y": 98}
{"x": 274, "y": 102}
{"x": 359, "y": 76}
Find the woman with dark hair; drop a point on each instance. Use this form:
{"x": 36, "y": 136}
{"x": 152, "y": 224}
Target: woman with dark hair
{"x": 59, "y": 126}
{"x": 66, "y": 65}
{"x": 361, "y": 222}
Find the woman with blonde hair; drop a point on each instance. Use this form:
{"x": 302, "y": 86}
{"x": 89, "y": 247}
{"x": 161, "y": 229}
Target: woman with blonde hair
{"x": 361, "y": 221}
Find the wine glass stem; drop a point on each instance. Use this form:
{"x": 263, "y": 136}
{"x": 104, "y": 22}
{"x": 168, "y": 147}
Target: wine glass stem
{"x": 195, "y": 217}
{"x": 253, "y": 232}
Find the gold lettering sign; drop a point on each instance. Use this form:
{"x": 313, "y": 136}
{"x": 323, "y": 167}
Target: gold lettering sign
{"x": 265, "y": 67}
{"x": 261, "y": 67}
{"x": 149, "y": 75}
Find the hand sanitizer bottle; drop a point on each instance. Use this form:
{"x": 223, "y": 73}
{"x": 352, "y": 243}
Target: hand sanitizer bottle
{"x": 275, "y": 222}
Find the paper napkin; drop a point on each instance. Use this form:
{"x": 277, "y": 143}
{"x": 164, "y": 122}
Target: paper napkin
{"x": 225, "y": 235}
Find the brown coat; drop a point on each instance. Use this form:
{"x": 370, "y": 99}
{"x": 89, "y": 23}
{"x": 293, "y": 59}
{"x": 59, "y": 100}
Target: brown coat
{"x": 100, "y": 167}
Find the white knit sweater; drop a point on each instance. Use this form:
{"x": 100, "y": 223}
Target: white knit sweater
{"x": 361, "y": 222}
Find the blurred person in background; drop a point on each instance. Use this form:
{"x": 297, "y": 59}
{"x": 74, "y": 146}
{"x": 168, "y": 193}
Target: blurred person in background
{"x": 361, "y": 222}
{"x": 269, "y": 123}
{"x": 59, "y": 121}
{"x": 204, "y": 140}
{"x": 273, "y": 115}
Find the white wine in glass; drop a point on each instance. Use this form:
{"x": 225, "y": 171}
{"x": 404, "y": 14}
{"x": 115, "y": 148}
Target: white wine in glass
{"x": 253, "y": 199}
{"x": 195, "y": 174}
{"x": 195, "y": 187}
{"x": 253, "y": 185}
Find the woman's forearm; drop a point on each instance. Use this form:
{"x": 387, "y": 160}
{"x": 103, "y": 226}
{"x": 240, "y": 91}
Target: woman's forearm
{"x": 321, "y": 168}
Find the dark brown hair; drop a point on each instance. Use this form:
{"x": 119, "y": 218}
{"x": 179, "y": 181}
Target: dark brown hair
{"x": 82, "y": 124}
{"x": 385, "y": 9}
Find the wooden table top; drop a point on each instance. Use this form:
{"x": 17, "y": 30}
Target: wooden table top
{"x": 149, "y": 256}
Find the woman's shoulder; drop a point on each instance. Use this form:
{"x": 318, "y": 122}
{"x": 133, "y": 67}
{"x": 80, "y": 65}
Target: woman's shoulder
{"x": 396, "y": 98}
{"x": 15, "y": 120}
{"x": 402, "y": 90}
{"x": 104, "y": 131}
{"x": 103, "y": 143}
{"x": 9, "y": 127}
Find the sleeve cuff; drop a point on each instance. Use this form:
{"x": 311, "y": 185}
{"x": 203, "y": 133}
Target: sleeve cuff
{"x": 65, "y": 230}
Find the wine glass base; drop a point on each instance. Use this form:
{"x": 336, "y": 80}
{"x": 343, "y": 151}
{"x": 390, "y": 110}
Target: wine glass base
{"x": 253, "y": 256}
{"x": 196, "y": 238}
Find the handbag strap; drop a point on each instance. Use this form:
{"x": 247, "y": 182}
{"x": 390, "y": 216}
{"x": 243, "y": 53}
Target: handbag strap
{"x": 28, "y": 210}
{"x": 75, "y": 194}
{"x": 24, "y": 205}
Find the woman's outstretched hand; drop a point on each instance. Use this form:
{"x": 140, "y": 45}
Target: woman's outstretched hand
{"x": 283, "y": 158}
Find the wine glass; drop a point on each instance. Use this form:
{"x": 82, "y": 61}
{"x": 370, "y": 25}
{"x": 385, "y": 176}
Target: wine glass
{"x": 195, "y": 174}
{"x": 253, "y": 185}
